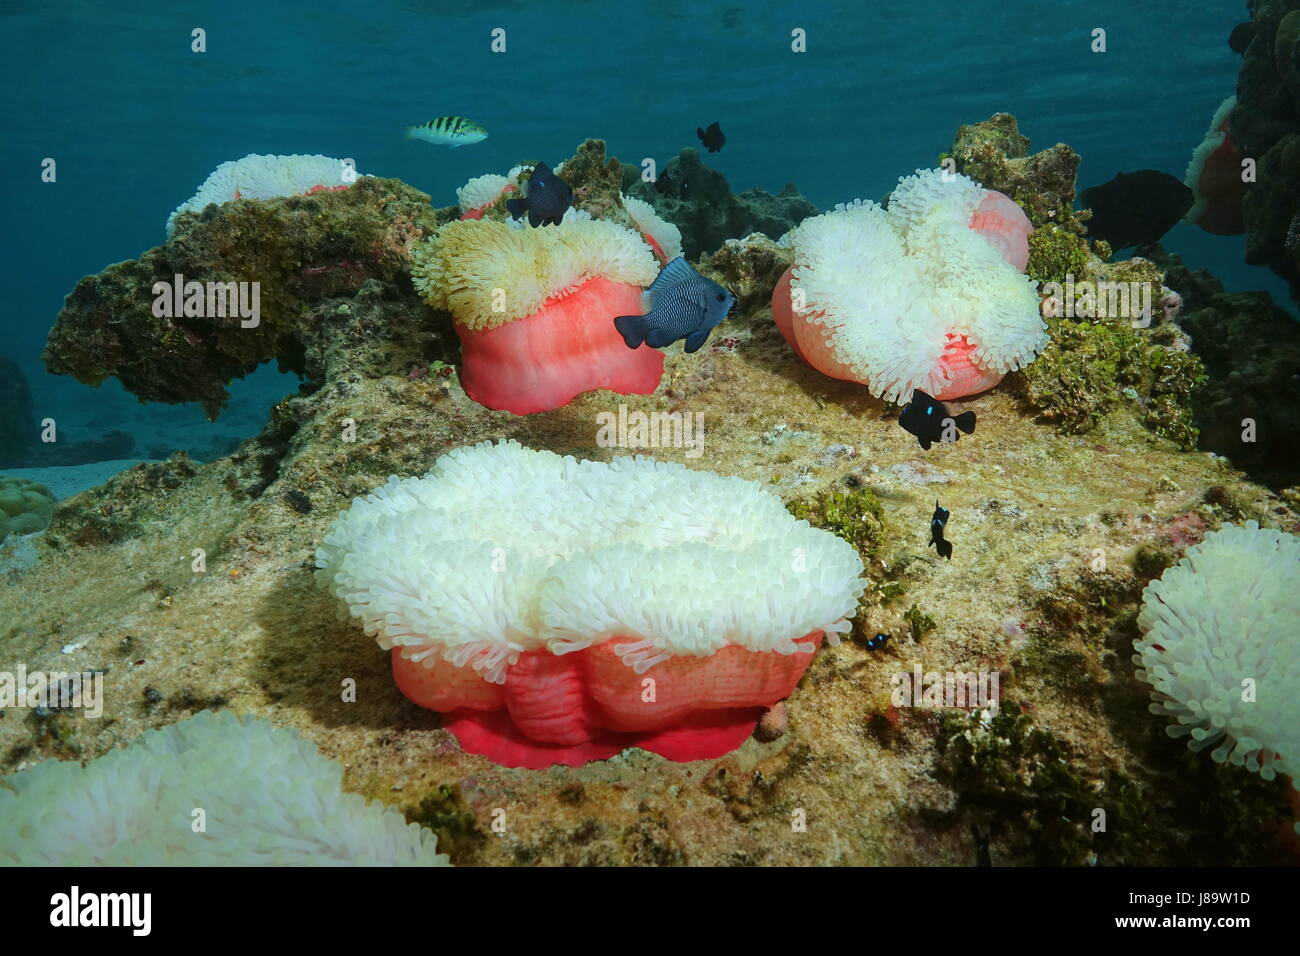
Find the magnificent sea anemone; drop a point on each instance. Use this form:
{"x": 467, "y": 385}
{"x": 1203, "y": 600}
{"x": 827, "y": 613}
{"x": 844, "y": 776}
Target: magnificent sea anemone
{"x": 266, "y": 177}
{"x": 664, "y": 238}
{"x": 535, "y": 308}
{"x": 480, "y": 192}
{"x": 268, "y": 799}
{"x": 1222, "y": 648}
{"x": 559, "y": 611}
{"x": 927, "y": 294}
{"x": 1214, "y": 177}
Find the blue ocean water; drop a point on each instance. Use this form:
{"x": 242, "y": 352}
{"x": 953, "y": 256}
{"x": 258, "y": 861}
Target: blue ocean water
{"x": 136, "y": 120}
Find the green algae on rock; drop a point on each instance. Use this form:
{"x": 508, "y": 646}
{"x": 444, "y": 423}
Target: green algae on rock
{"x": 1111, "y": 343}
{"x": 1091, "y": 367}
{"x": 996, "y": 155}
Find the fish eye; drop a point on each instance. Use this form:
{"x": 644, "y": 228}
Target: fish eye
{"x": 722, "y": 297}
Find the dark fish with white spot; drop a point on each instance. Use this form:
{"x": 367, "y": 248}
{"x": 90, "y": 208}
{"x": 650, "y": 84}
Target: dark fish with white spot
{"x": 937, "y": 523}
{"x": 681, "y": 304}
{"x": 546, "y": 198}
{"x": 877, "y": 642}
{"x": 925, "y": 417}
{"x": 712, "y": 138}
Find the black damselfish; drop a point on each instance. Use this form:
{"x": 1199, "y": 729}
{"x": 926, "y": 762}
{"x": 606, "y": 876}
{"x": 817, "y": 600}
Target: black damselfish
{"x": 927, "y": 418}
{"x": 937, "y": 524}
{"x": 877, "y": 642}
{"x": 546, "y": 198}
{"x": 1136, "y": 209}
{"x": 712, "y": 137}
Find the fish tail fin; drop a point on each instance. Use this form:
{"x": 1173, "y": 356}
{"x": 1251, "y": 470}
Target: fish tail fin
{"x": 966, "y": 422}
{"x": 944, "y": 548}
{"x": 410, "y": 132}
{"x": 632, "y": 328}
{"x": 516, "y": 207}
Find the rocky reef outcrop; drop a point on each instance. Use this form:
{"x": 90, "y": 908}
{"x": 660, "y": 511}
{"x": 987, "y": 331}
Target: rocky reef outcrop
{"x": 1266, "y": 126}
{"x": 1248, "y": 409}
{"x": 698, "y": 200}
{"x": 298, "y": 250}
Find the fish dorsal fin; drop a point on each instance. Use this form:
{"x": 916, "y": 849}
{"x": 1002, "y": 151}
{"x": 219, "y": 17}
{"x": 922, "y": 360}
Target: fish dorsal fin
{"x": 675, "y": 273}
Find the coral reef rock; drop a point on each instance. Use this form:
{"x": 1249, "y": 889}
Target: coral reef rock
{"x": 1249, "y": 407}
{"x": 298, "y": 250}
{"x": 1266, "y": 127}
{"x": 698, "y": 200}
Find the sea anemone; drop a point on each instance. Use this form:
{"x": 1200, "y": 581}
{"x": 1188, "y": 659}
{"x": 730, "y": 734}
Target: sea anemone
{"x": 266, "y": 177}
{"x": 1214, "y": 177}
{"x": 535, "y": 308}
{"x": 479, "y": 193}
{"x": 664, "y": 238}
{"x": 927, "y": 294}
{"x": 561, "y": 610}
{"x": 1222, "y": 648}
{"x": 268, "y": 799}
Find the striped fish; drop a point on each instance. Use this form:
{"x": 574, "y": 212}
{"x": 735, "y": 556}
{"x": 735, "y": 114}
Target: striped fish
{"x": 450, "y": 131}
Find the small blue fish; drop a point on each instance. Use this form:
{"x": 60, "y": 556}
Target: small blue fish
{"x": 546, "y": 198}
{"x": 681, "y": 304}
